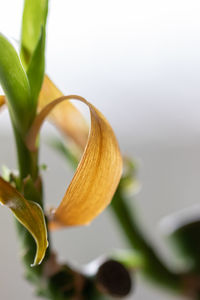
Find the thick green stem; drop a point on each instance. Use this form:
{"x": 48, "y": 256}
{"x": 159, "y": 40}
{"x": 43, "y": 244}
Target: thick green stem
{"x": 62, "y": 284}
{"x": 28, "y": 168}
{"x": 27, "y": 161}
{"x": 153, "y": 266}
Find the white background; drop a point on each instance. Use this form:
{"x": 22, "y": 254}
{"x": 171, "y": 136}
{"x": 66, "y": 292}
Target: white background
{"x": 138, "y": 62}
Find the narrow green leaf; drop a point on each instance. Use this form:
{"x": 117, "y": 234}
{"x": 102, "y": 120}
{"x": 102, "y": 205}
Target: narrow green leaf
{"x": 15, "y": 84}
{"x": 29, "y": 214}
{"x": 66, "y": 152}
{"x": 34, "y": 17}
{"x": 129, "y": 258}
{"x": 36, "y": 67}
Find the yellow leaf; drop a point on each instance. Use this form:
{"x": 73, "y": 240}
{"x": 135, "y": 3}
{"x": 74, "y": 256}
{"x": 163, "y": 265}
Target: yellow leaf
{"x": 97, "y": 175}
{"x": 66, "y": 117}
{"x": 2, "y": 101}
{"x": 29, "y": 214}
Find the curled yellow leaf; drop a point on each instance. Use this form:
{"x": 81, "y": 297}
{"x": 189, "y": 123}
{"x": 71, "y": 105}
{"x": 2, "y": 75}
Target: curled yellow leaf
{"x": 29, "y": 214}
{"x": 66, "y": 117}
{"x": 98, "y": 172}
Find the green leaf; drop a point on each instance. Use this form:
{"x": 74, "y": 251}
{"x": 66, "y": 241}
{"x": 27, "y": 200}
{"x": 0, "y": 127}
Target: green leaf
{"x": 34, "y": 17}
{"x": 36, "y": 68}
{"x": 29, "y": 214}
{"x": 15, "y": 84}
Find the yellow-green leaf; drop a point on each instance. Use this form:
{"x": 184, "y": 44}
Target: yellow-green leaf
{"x": 98, "y": 172}
{"x": 29, "y": 214}
{"x": 66, "y": 116}
{"x": 35, "y": 71}
{"x": 34, "y": 18}
{"x": 15, "y": 84}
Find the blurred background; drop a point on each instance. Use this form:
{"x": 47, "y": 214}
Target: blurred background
{"x": 138, "y": 62}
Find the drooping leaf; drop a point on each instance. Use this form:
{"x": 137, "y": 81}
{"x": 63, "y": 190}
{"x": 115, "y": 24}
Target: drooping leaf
{"x": 98, "y": 172}
{"x": 29, "y": 214}
{"x": 36, "y": 68}
{"x": 66, "y": 117}
{"x": 15, "y": 84}
{"x": 34, "y": 18}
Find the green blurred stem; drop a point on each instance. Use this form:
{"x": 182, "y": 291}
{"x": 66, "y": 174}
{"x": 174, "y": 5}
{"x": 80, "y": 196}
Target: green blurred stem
{"x": 153, "y": 267}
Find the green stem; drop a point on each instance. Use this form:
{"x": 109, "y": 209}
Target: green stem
{"x": 27, "y": 161}
{"x": 153, "y": 266}
{"x": 28, "y": 166}
{"x": 63, "y": 284}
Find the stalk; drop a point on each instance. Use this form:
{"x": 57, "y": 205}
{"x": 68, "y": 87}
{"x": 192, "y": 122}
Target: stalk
{"x": 46, "y": 286}
{"x": 28, "y": 168}
{"x": 153, "y": 267}
{"x": 27, "y": 162}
